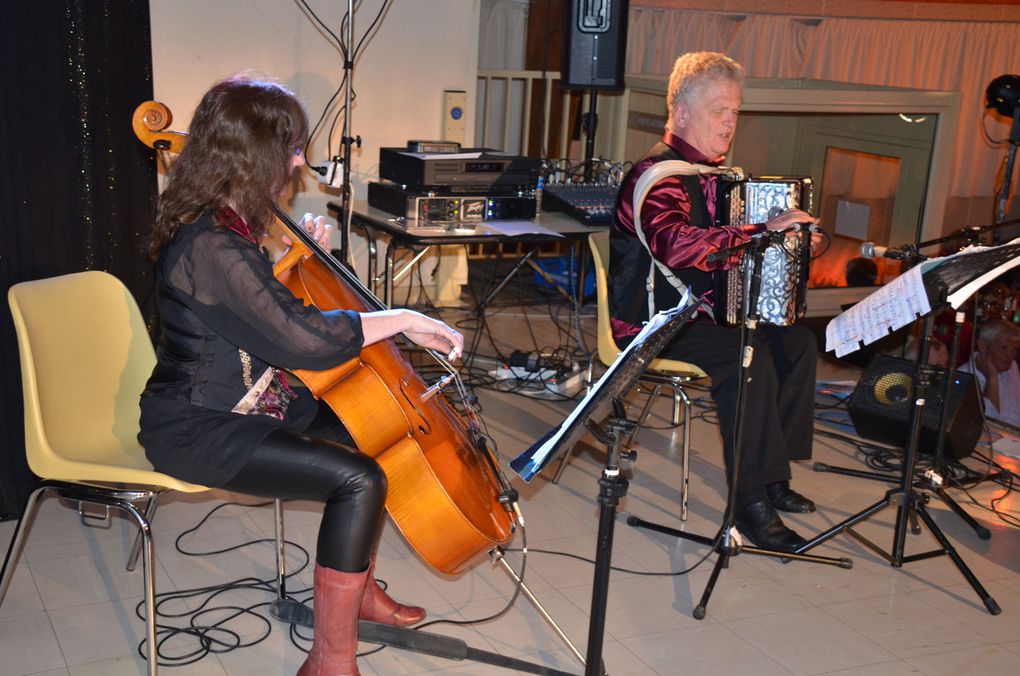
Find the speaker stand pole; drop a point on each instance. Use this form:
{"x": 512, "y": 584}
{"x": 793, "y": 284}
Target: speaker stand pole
{"x": 590, "y": 124}
{"x": 910, "y": 504}
{"x": 934, "y": 479}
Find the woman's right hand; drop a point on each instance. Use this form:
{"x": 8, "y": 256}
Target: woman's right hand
{"x": 420, "y": 329}
{"x": 436, "y": 335}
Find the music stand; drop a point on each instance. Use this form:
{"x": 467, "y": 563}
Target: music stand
{"x": 614, "y": 384}
{"x": 929, "y": 287}
{"x": 934, "y": 478}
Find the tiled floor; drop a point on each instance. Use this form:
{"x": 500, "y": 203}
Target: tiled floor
{"x": 71, "y": 606}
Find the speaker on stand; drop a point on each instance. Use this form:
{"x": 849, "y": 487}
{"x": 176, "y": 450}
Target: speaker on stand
{"x": 881, "y": 405}
{"x": 595, "y": 44}
{"x": 880, "y": 409}
{"x": 595, "y": 51}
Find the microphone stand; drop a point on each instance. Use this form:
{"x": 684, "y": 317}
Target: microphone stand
{"x": 909, "y": 502}
{"x": 909, "y": 253}
{"x": 1007, "y": 178}
{"x": 346, "y": 141}
{"x": 933, "y": 479}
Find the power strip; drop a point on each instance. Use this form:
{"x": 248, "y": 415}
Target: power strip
{"x": 504, "y": 372}
{"x": 544, "y": 384}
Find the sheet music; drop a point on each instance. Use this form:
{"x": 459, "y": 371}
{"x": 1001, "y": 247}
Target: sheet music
{"x": 904, "y": 299}
{"x": 893, "y": 306}
{"x": 540, "y": 456}
{"x": 518, "y": 228}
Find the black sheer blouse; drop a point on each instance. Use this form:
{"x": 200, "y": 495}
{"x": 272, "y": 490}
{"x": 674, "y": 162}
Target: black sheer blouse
{"x": 216, "y": 294}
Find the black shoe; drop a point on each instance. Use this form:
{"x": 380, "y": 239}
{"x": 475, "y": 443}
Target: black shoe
{"x": 760, "y": 523}
{"x": 785, "y": 499}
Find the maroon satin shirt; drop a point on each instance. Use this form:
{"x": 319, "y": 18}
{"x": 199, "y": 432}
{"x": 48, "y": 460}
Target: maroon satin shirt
{"x": 666, "y": 220}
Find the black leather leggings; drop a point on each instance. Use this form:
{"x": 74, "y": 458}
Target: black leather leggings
{"x": 289, "y": 465}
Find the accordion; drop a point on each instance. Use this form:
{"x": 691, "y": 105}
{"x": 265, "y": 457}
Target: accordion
{"x": 782, "y": 297}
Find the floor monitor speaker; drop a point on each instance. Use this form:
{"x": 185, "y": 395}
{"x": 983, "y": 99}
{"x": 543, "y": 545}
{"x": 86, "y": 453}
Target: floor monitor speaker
{"x": 881, "y": 405}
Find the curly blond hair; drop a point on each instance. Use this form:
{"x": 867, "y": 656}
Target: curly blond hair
{"x": 692, "y": 72}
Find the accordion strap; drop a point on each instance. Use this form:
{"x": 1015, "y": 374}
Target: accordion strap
{"x": 653, "y": 175}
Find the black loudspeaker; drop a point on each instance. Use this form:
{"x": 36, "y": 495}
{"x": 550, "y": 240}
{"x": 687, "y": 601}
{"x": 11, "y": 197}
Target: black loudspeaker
{"x": 882, "y": 403}
{"x": 595, "y": 44}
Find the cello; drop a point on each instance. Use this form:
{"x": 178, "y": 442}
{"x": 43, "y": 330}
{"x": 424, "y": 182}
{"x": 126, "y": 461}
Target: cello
{"x": 446, "y": 494}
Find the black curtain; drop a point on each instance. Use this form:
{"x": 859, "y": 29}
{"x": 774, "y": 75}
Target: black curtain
{"x": 77, "y": 189}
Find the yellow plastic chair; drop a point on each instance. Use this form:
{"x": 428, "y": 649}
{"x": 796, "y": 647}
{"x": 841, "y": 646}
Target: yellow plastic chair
{"x": 660, "y": 373}
{"x": 85, "y": 358}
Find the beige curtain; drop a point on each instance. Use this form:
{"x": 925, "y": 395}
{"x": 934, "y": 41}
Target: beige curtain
{"x": 927, "y": 55}
{"x": 503, "y": 28}
{"x": 933, "y": 55}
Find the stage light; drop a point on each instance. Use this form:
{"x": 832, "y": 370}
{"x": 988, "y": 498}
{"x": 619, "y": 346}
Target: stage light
{"x": 1003, "y": 94}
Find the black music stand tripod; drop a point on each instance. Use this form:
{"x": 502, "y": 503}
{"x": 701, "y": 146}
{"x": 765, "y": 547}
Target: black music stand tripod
{"x": 613, "y": 385}
{"x": 727, "y": 543}
{"x": 933, "y": 480}
{"x": 909, "y": 501}
{"x": 957, "y": 274}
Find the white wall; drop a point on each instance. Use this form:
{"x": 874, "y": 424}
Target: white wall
{"x": 420, "y": 49}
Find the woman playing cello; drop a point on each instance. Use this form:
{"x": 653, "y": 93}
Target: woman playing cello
{"x": 218, "y": 409}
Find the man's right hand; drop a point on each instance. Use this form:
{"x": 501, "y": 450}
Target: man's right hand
{"x": 790, "y": 218}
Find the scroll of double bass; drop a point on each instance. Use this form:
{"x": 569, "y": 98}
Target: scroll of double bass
{"x": 446, "y": 494}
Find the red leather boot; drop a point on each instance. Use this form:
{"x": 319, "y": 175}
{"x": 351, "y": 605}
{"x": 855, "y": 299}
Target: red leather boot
{"x": 378, "y": 606}
{"x": 335, "y": 644}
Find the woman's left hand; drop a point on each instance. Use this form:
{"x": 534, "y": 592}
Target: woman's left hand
{"x": 318, "y": 228}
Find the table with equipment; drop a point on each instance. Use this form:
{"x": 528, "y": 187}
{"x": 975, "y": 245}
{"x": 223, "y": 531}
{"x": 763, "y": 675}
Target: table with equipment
{"x": 377, "y": 225}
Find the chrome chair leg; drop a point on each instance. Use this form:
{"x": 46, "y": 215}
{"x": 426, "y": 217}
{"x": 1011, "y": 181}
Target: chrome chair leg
{"x": 136, "y": 548}
{"x": 18, "y": 541}
{"x": 72, "y": 492}
{"x": 646, "y": 410}
{"x": 685, "y": 451}
{"x": 148, "y": 573}
{"x": 678, "y": 392}
{"x": 563, "y": 464}
{"x": 281, "y": 563}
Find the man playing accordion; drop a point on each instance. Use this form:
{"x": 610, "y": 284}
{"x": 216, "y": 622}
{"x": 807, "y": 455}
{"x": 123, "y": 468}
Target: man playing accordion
{"x": 678, "y": 224}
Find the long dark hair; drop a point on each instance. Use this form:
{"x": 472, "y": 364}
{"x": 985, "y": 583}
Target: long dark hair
{"x": 242, "y": 139}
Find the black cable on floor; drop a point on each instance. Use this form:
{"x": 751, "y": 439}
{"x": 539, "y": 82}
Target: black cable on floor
{"x": 205, "y": 626}
{"x": 202, "y": 628}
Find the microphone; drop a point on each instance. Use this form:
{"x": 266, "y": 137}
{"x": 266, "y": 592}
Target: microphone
{"x": 872, "y": 250}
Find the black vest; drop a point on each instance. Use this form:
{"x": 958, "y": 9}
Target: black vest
{"x": 629, "y": 260}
